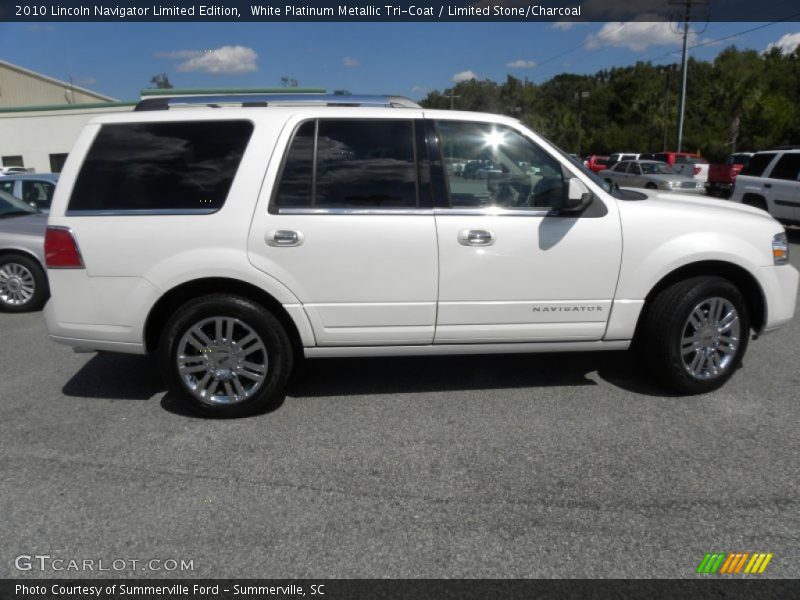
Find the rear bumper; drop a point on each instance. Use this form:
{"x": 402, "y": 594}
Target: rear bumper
{"x": 66, "y": 334}
{"x": 717, "y": 186}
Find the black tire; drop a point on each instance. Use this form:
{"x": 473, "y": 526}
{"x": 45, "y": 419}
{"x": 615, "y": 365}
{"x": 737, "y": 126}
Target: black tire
{"x": 278, "y": 354}
{"x": 651, "y": 186}
{"x": 665, "y": 325}
{"x": 22, "y": 270}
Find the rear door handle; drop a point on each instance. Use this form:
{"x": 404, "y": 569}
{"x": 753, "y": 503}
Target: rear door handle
{"x": 767, "y": 185}
{"x": 284, "y": 237}
{"x": 475, "y": 237}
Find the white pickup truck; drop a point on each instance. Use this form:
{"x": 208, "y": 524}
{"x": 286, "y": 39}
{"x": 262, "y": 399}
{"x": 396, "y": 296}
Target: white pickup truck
{"x": 233, "y": 235}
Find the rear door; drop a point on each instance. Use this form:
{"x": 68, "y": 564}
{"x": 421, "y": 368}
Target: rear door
{"x": 513, "y": 269}
{"x": 350, "y": 228}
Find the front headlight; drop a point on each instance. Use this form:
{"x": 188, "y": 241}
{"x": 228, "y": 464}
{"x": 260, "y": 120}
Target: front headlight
{"x": 673, "y": 183}
{"x": 780, "y": 249}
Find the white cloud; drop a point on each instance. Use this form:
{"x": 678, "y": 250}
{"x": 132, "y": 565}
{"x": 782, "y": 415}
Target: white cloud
{"x": 351, "y": 62}
{"x": 464, "y": 76}
{"x": 224, "y": 60}
{"x": 637, "y": 35}
{"x": 521, "y": 64}
{"x": 419, "y": 89}
{"x": 563, "y": 25}
{"x": 787, "y": 43}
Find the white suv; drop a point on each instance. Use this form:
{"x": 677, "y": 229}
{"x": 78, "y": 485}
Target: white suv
{"x": 771, "y": 182}
{"x": 232, "y": 240}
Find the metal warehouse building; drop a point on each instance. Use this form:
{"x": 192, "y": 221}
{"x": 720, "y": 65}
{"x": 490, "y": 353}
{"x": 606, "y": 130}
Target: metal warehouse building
{"x": 40, "y": 117}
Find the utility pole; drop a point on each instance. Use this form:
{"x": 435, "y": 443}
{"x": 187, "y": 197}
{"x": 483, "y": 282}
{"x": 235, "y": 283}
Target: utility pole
{"x": 452, "y": 96}
{"x": 666, "y": 103}
{"x": 687, "y": 17}
{"x": 579, "y": 96}
{"x": 684, "y": 62}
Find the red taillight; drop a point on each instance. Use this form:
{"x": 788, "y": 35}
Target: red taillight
{"x": 61, "y": 249}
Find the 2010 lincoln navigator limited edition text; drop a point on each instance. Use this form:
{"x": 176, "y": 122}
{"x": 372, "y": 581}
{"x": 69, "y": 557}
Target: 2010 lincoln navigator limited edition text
{"x": 233, "y": 235}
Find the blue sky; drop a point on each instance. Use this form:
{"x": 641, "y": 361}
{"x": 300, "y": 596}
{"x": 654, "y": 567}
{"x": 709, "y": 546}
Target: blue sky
{"x": 118, "y": 59}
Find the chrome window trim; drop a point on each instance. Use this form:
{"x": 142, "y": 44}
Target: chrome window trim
{"x": 355, "y": 211}
{"x": 490, "y": 211}
{"x": 439, "y": 212}
{"x": 141, "y": 212}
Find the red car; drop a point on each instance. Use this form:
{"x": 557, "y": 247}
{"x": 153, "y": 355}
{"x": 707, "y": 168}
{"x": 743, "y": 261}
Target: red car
{"x": 596, "y": 163}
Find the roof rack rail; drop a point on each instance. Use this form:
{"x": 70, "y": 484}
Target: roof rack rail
{"x": 262, "y": 100}
{"x": 783, "y": 148}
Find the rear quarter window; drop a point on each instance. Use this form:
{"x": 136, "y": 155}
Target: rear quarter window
{"x": 175, "y": 167}
{"x": 757, "y": 164}
{"x": 788, "y": 167}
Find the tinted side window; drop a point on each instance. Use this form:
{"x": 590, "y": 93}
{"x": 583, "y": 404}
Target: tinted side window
{"x": 365, "y": 164}
{"x": 181, "y": 166}
{"x": 7, "y": 187}
{"x": 361, "y": 164}
{"x": 501, "y": 167}
{"x": 757, "y": 164}
{"x": 38, "y": 193}
{"x": 621, "y": 167}
{"x": 787, "y": 167}
{"x": 662, "y": 157}
{"x": 295, "y": 187}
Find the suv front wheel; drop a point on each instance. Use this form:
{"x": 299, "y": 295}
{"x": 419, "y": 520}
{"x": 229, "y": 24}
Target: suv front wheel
{"x": 695, "y": 334}
{"x": 225, "y": 356}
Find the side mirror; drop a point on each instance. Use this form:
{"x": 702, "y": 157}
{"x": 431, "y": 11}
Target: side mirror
{"x": 576, "y": 196}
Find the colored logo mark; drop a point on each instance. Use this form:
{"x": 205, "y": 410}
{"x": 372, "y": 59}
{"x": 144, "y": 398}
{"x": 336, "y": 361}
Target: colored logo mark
{"x": 734, "y": 563}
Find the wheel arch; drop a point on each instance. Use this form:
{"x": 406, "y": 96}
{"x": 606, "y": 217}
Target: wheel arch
{"x": 739, "y": 276}
{"x": 24, "y": 252}
{"x": 755, "y": 200}
{"x": 171, "y": 300}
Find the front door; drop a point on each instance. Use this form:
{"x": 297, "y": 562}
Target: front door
{"x": 347, "y": 232}
{"x": 512, "y": 269}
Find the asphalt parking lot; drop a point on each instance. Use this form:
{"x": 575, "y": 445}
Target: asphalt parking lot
{"x": 501, "y": 466}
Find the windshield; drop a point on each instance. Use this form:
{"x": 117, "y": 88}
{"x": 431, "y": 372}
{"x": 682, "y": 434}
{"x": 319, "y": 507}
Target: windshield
{"x": 11, "y": 205}
{"x": 656, "y": 168}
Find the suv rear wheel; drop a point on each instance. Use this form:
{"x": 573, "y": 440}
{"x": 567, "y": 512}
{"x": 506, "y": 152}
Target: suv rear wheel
{"x": 225, "y": 356}
{"x": 23, "y": 284}
{"x": 695, "y": 334}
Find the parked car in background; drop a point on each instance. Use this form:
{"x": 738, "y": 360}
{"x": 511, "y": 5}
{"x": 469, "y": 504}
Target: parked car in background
{"x": 620, "y": 156}
{"x": 36, "y": 189}
{"x": 771, "y": 182}
{"x": 596, "y": 163}
{"x": 23, "y": 282}
{"x": 650, "y": 174}
{"x": 722, "y": 176}
{"x": 12, "y": 170}
{"x": 685, "y": 163}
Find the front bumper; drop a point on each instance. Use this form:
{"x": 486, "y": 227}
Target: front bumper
{"x": 780, "y": 284}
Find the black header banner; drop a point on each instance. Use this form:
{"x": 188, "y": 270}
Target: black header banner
{"x": 398, "y": 10}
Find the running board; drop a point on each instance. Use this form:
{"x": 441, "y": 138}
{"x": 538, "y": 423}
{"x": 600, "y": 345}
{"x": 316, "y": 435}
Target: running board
{"x": 445, "y": 349}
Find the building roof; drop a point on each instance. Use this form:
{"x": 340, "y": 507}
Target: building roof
{"x": 54, "y": 81}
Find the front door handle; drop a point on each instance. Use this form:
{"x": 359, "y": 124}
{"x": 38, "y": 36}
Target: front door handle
{"x": 475, "y": 237}
{"x": 284, "y": 237}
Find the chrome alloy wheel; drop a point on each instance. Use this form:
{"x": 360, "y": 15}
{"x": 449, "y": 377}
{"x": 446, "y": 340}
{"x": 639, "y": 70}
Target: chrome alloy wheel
{"x": 711, "y": 338}
{"x": 222, "y": 360}
{"x": 17, "y": 284}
